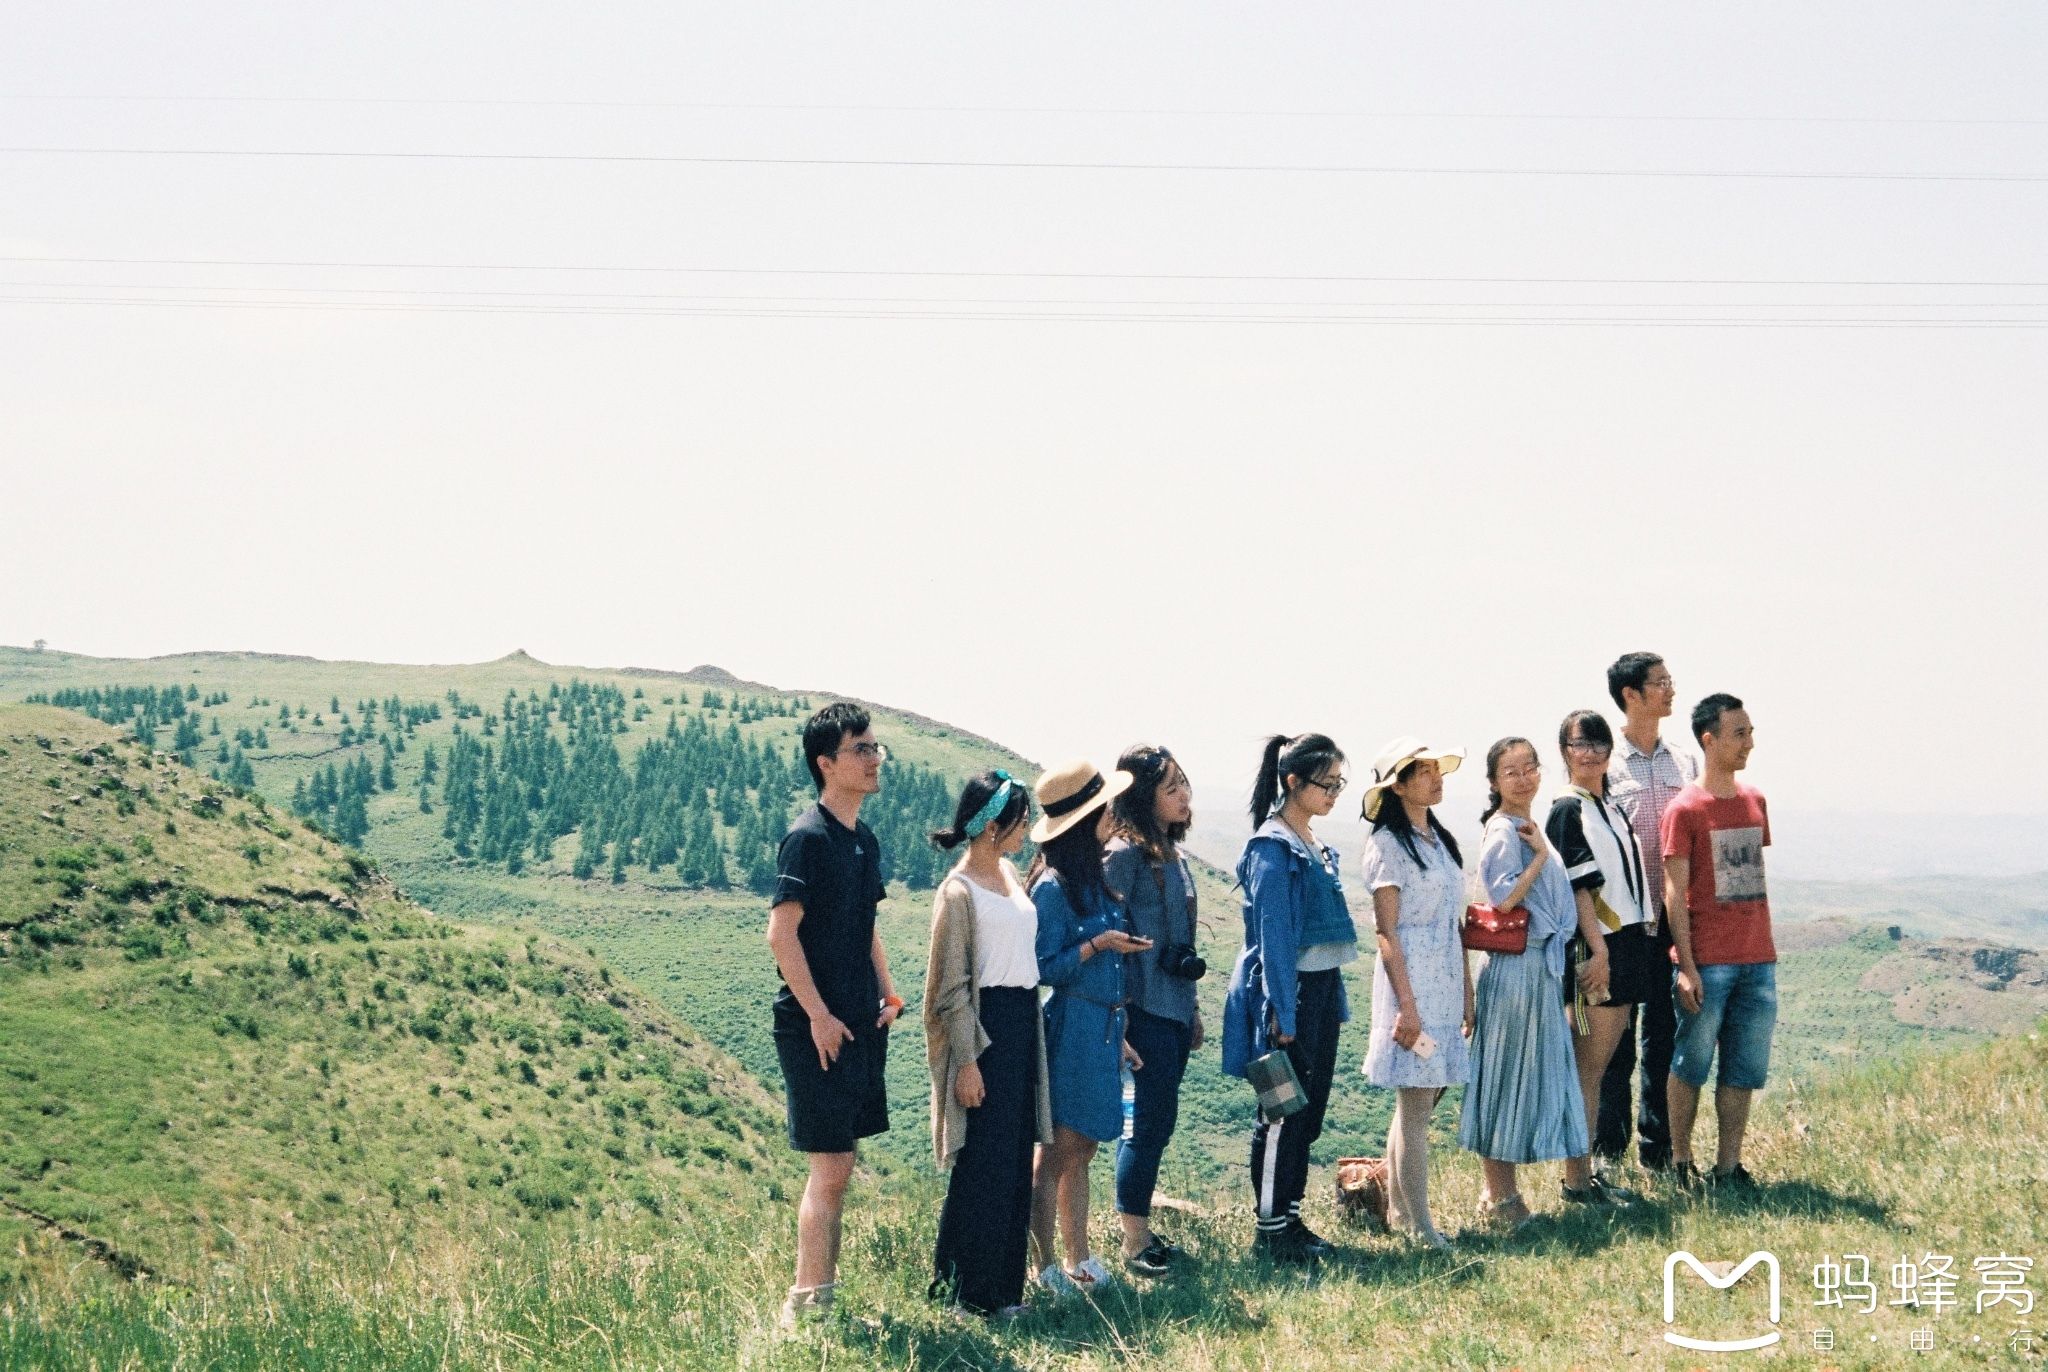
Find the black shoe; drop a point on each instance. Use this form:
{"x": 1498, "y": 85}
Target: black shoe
{"x": 1655, "y": 1159}
{"x": 1319, "y": 1245}
{"x": 1736, "y": 1178}
{"x": 1284, "y": 1246}
{"x": 1684, "y": 1176}
{"x": 1156, "y": 1259}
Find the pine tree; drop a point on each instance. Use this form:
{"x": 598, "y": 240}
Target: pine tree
{"x": 351, "y": 820}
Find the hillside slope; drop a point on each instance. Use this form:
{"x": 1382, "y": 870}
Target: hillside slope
{"x": 1898, "y": 1162}
{"x": 581, "y": 765}
{"x": 222, "y": 1033}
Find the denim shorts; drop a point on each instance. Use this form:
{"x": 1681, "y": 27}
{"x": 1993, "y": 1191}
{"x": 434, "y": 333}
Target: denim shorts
{"x": 1738, "y": 1009}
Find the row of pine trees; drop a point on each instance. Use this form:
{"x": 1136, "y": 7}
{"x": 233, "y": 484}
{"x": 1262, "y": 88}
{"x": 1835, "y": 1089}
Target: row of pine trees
{"x": 703, "y": 801}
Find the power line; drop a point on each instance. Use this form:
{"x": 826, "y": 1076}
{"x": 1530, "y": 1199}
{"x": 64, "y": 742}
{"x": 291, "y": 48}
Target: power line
{"x": 957, "y": 164}
{"x": 1023, "y": 301}
{"x": 1042, "y": 317}
{"x": 929, "y": 273}
{"x": 1158, "y": 111}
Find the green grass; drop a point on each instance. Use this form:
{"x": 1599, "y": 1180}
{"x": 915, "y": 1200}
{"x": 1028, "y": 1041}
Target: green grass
{"x": 188, "y": 1084}
{"x": 702, "y": 953}
{"x": 1936, "y": 1154}
{"x": 203, "y": 1056}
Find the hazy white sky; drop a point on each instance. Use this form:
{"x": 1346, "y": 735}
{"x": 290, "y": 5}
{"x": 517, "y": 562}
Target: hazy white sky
{"x": 1065, "y": 533}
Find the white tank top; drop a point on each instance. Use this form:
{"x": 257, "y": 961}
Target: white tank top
{"x": 1005, "y": 936}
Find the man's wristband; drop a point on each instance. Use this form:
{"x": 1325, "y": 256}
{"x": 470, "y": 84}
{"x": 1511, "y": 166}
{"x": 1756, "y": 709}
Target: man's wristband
{"x": 892, "y": 1002}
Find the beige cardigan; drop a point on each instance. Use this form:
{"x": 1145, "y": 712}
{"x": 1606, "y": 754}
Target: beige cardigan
{"x": 953, "y": 1034}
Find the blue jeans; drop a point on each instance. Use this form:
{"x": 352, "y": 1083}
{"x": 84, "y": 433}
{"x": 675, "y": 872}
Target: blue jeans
{"x": 1738, "y": 1009}
{"x": 1155, "y": 1107}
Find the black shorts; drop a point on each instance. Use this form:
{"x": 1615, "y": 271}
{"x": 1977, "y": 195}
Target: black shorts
{"x": 1633, "y": 960}
{"x": 830, "y": 1110}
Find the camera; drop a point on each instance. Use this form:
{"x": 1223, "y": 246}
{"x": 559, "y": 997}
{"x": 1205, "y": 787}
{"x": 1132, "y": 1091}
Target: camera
{"x": 1181, "y": 960}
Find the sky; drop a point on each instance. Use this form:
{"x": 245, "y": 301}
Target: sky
{"x": 1075, "y": 374}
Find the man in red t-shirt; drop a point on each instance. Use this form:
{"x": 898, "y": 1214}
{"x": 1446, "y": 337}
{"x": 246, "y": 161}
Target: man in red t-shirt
{"x": 1713, "y": 834}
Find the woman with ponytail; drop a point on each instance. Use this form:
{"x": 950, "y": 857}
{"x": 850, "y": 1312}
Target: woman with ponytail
{"x": 1421, "y": 986}
{"x": 1286, "y": 991}
{"x": 1083, "y": 937}
{"x": 985, "y": 1045}
{"x": 1524, "y": 1104}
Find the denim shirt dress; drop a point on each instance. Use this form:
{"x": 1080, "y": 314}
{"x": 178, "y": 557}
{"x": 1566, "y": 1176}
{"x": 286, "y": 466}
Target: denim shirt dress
{"x": 1084, "y": 1018}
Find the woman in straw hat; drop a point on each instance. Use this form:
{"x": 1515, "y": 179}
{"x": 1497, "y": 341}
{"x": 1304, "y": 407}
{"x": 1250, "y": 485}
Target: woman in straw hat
{"x": 985, "y": 1045}
{"x": 1523, "y": 1105}
{"x": 1286, "y": 991}
{"x": 1082, "y": 937}
{"x": 1422, "y": 1002}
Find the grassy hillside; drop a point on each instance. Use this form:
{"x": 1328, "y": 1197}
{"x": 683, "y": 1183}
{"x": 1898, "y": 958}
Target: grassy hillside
{"x": 696, "y": 948}
{"x": 1936, "y": 1154}
{"x": 223, "y": 1036}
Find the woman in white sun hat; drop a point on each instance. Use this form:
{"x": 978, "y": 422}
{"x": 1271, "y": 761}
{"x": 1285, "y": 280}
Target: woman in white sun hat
{"x": 1422, "y": 1002}
{"x": 1082, "y": 937}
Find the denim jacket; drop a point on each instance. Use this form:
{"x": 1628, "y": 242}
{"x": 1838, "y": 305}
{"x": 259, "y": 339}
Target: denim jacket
{"x": 1288, "y": 890}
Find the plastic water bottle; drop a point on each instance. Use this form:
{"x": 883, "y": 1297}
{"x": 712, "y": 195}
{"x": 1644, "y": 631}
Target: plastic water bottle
{"x": 1130, "y": 1102}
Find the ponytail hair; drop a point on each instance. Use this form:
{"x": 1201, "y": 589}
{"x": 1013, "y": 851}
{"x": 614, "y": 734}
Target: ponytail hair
{"x": 1304, "y": 755}
{"x": 974, "y": 798}
{"x": 1501, "y": 747}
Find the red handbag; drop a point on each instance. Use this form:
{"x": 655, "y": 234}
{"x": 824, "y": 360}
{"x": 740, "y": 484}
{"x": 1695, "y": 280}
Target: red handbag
{"x": 1487, "y": 930}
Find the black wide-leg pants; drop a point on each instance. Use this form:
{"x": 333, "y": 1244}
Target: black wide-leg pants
{"x": 986, "y": 1222}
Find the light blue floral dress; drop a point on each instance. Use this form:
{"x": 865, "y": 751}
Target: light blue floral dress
{"x": 1432, "y": 901}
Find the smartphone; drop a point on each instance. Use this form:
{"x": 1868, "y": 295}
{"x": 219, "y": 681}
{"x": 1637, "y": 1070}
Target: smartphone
{"x": 1425, "y": 1046}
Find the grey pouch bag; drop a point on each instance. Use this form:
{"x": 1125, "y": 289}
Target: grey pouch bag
{"x": 1280, "y": 1093}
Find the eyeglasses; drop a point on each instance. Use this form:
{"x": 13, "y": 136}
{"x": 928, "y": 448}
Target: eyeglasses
{"x": 1658, "y": 683}
{"x": 1529, "y": 773}
{"x": 868, "y": 752}
{"x": 1591, "y": 747}
{"x": 1332, "y": 789}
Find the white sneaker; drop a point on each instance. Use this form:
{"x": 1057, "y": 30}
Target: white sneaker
{"x": 1092, "y": 1273}
{"x": 1055, "y": 1281}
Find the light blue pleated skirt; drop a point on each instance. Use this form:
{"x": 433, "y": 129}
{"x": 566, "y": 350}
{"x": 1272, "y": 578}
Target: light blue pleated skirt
{"x": 1523, "y": 1104}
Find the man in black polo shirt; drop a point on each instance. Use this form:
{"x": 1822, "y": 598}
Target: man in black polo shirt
{"x": 833, "y": 1013}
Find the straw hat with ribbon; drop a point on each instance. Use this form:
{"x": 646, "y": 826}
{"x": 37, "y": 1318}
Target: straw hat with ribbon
{"x": 1386, "y": 768}
{"x": 1071, "y": 792}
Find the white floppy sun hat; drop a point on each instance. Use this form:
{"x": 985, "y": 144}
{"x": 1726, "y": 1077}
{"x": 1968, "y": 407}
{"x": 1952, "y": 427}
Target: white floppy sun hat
{"x": 1386, "y": 768}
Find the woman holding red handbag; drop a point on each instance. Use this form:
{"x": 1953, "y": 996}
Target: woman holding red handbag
{"x": 1421, "y": 989}
{"x": 1523, "y": 1105}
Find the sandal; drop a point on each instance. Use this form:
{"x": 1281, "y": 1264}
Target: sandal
{"x": 1506, "y": 1215}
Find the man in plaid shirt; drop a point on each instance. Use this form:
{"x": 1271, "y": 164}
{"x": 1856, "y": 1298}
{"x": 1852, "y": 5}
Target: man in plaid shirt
{"x": 1645, "y": 775}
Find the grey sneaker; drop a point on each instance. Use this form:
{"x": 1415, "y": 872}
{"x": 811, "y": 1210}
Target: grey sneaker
{"x": 804, "y": 1304}
{"x": 1599, "y": 1191}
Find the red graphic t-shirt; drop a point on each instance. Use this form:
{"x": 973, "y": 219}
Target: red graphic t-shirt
{"x": 1723, "y": 842}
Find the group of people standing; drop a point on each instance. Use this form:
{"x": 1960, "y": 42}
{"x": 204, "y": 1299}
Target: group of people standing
{"x": 1060, "y": 1006}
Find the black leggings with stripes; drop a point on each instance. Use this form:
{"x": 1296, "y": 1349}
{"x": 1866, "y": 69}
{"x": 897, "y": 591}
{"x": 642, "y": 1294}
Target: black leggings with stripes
{"x": 1280, "y": 1147}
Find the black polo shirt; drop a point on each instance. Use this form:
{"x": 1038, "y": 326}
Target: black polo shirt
{"x": 835, "y": 873}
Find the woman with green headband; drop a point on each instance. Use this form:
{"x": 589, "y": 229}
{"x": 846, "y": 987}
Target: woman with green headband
{"x": 985, "y": 1044}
